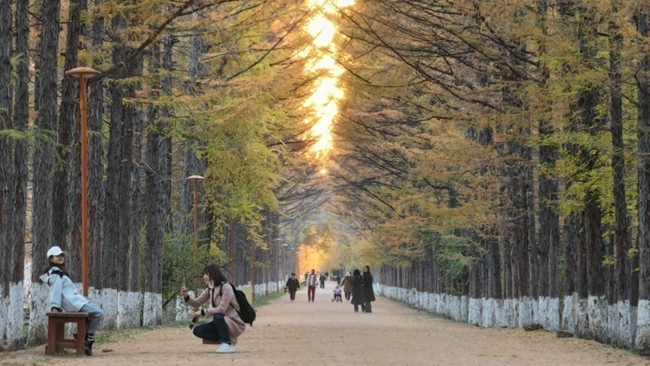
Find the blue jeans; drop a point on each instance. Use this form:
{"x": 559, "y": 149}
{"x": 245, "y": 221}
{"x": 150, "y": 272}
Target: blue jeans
{"x": 95, "y": 316}
{"x": 216, "y": 330}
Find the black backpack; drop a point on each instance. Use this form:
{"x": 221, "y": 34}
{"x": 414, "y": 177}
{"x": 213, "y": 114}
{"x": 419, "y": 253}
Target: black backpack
{"x": 246, "y": 311}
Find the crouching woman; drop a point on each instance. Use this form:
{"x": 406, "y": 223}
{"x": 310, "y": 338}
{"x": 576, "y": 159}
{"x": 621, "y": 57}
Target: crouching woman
{"x": 226, "y": 325}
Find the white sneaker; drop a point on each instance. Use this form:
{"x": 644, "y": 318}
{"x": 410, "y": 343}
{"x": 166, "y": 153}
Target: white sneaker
{"x": 226, "y": 348}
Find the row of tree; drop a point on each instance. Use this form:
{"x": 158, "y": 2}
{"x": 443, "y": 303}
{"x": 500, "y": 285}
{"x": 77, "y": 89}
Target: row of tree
{"x": 500, "y": 151}
{"x": 208, "y": 87}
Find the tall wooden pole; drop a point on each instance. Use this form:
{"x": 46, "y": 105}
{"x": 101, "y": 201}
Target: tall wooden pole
{"x": 196, "y": 219}
{"x": 82, "y": 73}
{"x": 266, "y": 288}
{"x": 84, "y": 183}
{"x": 284, "y": 263}
{"x": 196, "y": 179}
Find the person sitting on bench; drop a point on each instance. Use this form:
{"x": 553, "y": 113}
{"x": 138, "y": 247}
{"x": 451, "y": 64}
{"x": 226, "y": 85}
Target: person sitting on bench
{"x": 64, "y": 295}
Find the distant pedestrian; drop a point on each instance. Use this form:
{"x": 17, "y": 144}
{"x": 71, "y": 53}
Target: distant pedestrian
{"x": 292, "y": 286}
{"x": 338, "y": 280}
{"x": 357, "y": 290}
{"x": 312, "y": 282}
{"x": 347, "y": 285}
{"x": 64, "y": 296}
{"x": 322, "y": 280}
{"x": 368, "y": 293}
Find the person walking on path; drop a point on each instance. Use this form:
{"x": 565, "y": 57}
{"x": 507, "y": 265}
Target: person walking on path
{"x": 292, "y": 286}
{"x": 312, "y": 281}
{"x": 64, "y": 296}
{"x": 357, "y": 290}
{"x": 226, "y": 325}
{"x": 368, "y": 293}
{"x": 323, "y": 278}
{"x": 347, "y": 286}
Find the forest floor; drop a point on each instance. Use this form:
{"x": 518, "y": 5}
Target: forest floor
{"x": 330, "y": 333}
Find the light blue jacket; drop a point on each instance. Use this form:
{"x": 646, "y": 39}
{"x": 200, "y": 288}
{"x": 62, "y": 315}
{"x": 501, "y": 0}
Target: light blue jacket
{"x": 63, "y": 292}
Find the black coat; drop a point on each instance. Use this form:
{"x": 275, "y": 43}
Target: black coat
{"x": 292, "y": 284}
{"x": 368, "y": 293}
{"x": 357, "y": 290}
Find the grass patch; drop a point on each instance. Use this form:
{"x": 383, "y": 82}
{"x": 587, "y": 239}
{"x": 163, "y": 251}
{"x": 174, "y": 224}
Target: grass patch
{"x": 110, "y": 335}
{"x": 267, "y": 299}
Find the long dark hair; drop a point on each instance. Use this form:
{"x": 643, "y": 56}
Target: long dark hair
{"x": 367, "y": 273}
{"x": 59, "y": 266}
{"x": 356, "y": 272}
{"x": 213, "y": 271}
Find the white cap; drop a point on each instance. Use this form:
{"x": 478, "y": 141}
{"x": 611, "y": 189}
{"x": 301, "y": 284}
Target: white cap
{"x": 55, "y": 251}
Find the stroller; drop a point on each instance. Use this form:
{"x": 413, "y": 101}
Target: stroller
{"x": 337, "y": 294}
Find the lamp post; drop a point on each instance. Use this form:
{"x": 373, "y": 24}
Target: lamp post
{"x": 297, "y": 253}
{"x": 196, "y": 179}
{"x": 284, "y": 263}
{"x": 83, "y": 73}
{"x": 278, "y": 277}
{"x": 266, "y": 287}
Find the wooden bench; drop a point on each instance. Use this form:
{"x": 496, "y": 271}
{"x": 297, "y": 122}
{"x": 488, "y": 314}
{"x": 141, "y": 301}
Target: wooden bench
{"x": 56, "y": 332}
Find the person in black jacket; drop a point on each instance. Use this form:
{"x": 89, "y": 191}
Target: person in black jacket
{"x": 368, "y": 293}
{"x": 357, "y": 290}
{"x": 292, "y": 286}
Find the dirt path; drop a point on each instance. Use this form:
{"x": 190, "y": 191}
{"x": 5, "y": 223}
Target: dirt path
{"x": 326, "y": 333}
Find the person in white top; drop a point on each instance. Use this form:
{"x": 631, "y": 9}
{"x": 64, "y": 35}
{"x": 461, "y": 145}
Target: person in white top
{"x": 64, "y": 295}
{"x": 312, "y": 282}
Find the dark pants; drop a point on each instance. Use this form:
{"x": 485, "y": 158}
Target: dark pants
{"x": 292, "y": 294}
{"x": 311, "y": 292}
{"x": 367, "y": 307}
{"x": 348, "y": 294}
{"x": 322, "y": 284}
{"x": 356, "y": 308}
{"x": 216, "y": 330}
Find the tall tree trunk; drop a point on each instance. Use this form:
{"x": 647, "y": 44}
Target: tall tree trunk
{"x": 642, "y": 343}
{"x": 572, "y": 244}
{"x": 46, "y": 94}
{"x": 124, "y": 196}
{"x": 620, "y": 205}
{"x": 96, "y": 189}
{"x": 549, "y": 230}
{"x": 67, "y": 175}
{"x": 131, "y": 305}
{"x": 118, "y": 182}
{"x": 166, "y": 143}
{"x": 7, "y": 175}
{"x": 154, "y": 218}
{"x": 17, "y": 241}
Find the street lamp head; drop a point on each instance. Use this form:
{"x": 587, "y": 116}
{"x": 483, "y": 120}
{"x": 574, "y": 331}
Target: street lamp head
{"x": 284, "y": 245}
{"x": 195, "y": 177}
{"x": 82, "y": 71}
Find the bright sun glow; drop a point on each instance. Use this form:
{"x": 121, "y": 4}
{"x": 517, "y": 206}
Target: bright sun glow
{"x": 322, "y": 54}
